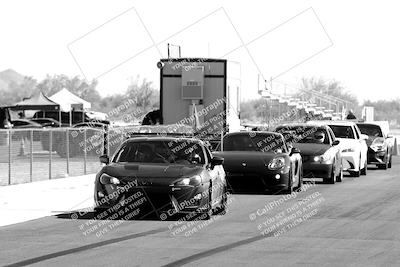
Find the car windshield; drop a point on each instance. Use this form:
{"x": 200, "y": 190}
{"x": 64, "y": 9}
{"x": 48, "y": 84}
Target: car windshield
{"x": 370, "y": 130}
{"x": 254, "y": 141}
{"x": 342, "y": 131}
{"x": 171, "y": 152}
{"x": 304, "y": 134}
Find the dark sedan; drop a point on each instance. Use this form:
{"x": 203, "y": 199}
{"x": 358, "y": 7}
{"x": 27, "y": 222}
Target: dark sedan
{"x": 173, "y": 175}
{"x": 260, "y": 160}
{"x": 379, "y": 142}
{"x": 318, "y": 148}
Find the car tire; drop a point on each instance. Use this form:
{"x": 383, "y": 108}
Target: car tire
{"x": 356, "y": 173}
{"x": 289, "y": 189}
{"x": 209, "y": 212}
{"x": 300, "y": 184}
{"x": 364, "y": 170}
{"x": 332, "y": 177}
{"x": 339, "y": 178}
{"x": 221, "y": 210}
{"x": 383, "y": 166}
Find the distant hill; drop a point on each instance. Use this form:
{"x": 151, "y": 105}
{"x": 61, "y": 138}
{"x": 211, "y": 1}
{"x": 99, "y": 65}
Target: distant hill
{"x": 9, "y": 76}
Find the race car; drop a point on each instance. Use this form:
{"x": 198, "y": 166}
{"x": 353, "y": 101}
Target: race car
{"x": 260, "y": 160}
{"x": 174, "y": 175}
{"x": 380, "y": 143}
{"x": 318, "y": 148}
{"x": 352, "y": 144}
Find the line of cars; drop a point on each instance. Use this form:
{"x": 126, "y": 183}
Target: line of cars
{"x": 182, "y": 175}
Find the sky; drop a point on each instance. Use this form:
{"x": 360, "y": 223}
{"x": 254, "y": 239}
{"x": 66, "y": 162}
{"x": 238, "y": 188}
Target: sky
{"x": 354, "y": 42}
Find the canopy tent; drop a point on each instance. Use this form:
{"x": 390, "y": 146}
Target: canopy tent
{"x": 36, "y": 102}
{"x": 68, "y": 101}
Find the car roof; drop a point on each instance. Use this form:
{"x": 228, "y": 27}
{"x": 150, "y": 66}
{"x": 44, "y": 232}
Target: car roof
{"x": 339, "y": 123}
{"x": 303, "y": 124}
{"x": 162, "y": 138}
{"x": 248, "y": 132}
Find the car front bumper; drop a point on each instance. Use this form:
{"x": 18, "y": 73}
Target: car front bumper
{"x": 350, "y": 161}
{"x": 268, "y": 180}
{"x": 317, "y": 170}
{"x": 167, "y": 200}
{"x": 376, "y": 157}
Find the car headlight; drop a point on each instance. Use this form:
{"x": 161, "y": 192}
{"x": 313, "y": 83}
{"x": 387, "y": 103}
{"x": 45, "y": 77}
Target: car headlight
{"x": 349, "y": 150}
{"x": 107, "y": 179}
{"x": 378, "y": 144}
{"x": 195, "y": 180}
{"x": 276, "y": 163}
{"x": 322, "y": 158}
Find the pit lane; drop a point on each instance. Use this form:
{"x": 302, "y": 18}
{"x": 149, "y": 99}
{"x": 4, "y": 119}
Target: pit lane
{"x": 358, "y": 223}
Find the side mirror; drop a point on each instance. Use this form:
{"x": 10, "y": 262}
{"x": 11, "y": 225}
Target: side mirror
{"x": 294, "y": 151}
{"x": 104, "y": 159}
{"x": 335, "y": 143}
{"x": 216, "y": 161}
{"x": 364, "y": 137}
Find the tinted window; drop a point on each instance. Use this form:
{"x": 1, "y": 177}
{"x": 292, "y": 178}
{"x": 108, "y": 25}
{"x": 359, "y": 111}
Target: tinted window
{"x": 171, "y": 152}
{"x": 342, "y": 131}
{"x": 304, "y": 134}
{"x": 20, "y": 123}
{"x": 370, "y": 130}
{"x": 261, "y": 142}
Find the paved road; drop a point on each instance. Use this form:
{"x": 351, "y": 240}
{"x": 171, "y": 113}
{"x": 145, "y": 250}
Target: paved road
{"x": 354, "y": 223}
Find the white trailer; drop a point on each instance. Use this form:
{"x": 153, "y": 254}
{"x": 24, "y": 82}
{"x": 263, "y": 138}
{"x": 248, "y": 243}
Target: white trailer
{"x": 202, "y": 92}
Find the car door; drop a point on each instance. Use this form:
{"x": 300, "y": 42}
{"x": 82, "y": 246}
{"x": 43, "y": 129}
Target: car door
{"x": 338, "y": 156}
{"x": 217, "y": 176}
{"x": 363, "y": 146}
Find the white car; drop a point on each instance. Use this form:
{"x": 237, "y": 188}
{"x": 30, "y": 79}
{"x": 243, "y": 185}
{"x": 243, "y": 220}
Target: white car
{"x": 353, "y": 146}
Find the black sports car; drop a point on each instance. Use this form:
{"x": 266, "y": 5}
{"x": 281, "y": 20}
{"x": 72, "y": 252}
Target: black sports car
{"x": 173, "y": 175}
{"x": 318, "y": 147}
{"x": 260, "y": 160}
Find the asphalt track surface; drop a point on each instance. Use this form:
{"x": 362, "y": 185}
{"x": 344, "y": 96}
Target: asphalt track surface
{"x": 353, "y": 223}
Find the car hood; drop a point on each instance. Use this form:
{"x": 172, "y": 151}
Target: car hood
{"x": 156, "y": 174}
{"x": 310, "y": 149}
{"x": 371, "y": 139}
{"x": 347, "y": 143}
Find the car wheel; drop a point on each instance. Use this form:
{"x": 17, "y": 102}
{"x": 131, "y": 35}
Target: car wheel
{"x": 383, "y": 166}
{"x": 339, "y": 178}
{"x": 221, "y": 210}
{"x": 356, "y": 173}
{"x": 364, "y": 170}
{"x": 300, "y": 183}
{"x": 209, "y": 211}
{"x": 332, "y": 177}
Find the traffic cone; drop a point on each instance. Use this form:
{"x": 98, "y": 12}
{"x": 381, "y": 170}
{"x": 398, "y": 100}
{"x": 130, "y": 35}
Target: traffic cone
{"x": 22, "y": 148}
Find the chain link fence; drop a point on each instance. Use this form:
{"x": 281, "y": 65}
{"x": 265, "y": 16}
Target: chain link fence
{"x": 28, "y": 155}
